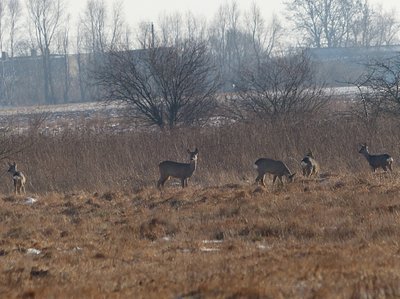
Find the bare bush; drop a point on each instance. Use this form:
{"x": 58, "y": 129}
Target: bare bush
{"x": 379, "y": 87}
{"x": 165, "y": 86}
{"x": 280, "y": 88}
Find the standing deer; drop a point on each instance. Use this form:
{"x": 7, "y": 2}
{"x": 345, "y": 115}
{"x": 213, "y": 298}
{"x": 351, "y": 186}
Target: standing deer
{"x": 18, "y": 178}
{"x": 277, "y": 168}
{"x": 375, "y": 161}
{"x": 182, "y": 171}
{"x": 309, "y": 165}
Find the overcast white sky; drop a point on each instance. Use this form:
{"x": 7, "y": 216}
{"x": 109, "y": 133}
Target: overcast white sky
{"x": 149, "y": 10}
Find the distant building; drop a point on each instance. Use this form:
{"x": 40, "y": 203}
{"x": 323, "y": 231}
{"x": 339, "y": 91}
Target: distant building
{"x": 337, "y": 66}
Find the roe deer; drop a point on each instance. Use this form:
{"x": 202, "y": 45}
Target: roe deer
{"x": 277, "y": 168}
{"x": 309, "y": 165}
{"x": 178, "y": 170}
{"x": 18, "y": 178}
{"x": 375, "y": 161}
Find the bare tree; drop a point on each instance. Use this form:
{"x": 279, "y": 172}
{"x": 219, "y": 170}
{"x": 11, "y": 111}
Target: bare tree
{"x": 145, "y": 35}
{"x": 281, "y": 88}
{"x": 387, "y": 27}
{"x": 176, "y": 28}
{"x": 2, "y": 23}
{"x": 228, "y": 41}
{"x": 118, "y": 24}
{"x": 195, "y": 28}
{"x": 306, "y": 16}
{"x": 94, "y": 22}
{"x": 82, "y": 70}
{"x": 337, "y": 23}
{"x": 364, "y": 25}
{"x": 171, "y": 29}
{"x": 379, "y": 89}
{"x": 14, "y": 13}
{"x": 46, "y": 17}
{"x": 263, "y": 36}
{"x": 63, "y": 48}
{"x": 166, "y": 86}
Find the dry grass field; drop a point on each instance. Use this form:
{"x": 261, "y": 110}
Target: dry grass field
{"x": 338, "y": 238}
{"x": 100, "y": 228}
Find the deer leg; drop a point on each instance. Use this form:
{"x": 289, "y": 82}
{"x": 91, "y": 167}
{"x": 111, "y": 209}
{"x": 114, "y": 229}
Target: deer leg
{"x": 183, "y": 183}
{"x": 384, "y": 168}
{"x": 161, "y": 182}
{"x": 260, "y": 178}
{"x": 390, "y": 166}
{"x": 280, "y": 179}
{"x": 274, "y": 179}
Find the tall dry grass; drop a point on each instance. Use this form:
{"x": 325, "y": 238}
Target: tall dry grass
{"x": 223, "y": 238}
{"x": 94, "y": 160}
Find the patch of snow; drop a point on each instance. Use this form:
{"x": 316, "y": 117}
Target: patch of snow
{"x": 263, "y": 247}
{"x": 30, "y": 201}
{"x": 208, "y": 249}
{"x": 212, "y": 241}
{"x": 33, "y": 251}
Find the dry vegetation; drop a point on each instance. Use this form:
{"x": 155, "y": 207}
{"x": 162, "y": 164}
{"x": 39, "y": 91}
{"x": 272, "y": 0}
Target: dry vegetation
{"x": 104, "y": 231}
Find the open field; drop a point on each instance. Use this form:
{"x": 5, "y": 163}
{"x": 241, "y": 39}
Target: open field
{"x": 336, "y": 238}
{"x": 100, "y": 228}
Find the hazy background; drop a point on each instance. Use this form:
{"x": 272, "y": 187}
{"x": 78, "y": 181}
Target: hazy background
{"x": 150, "y": 10}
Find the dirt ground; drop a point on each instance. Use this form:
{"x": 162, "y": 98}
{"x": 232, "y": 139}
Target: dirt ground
{"x": 334, "y": 238}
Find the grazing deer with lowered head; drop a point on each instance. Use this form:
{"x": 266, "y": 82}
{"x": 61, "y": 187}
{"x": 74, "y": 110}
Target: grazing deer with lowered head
{"x": 18, "y": 178}
{"x": 375, "y": 161}
{"x": 182, "y": 171}
{"x": 309, "y": 165}
{"x": 277, "y": 168}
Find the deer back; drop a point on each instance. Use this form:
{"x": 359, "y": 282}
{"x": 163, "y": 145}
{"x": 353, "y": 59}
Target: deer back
{"x": 275, "y": 167}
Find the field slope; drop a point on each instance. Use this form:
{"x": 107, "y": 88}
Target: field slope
{"x": 334, "y": 238}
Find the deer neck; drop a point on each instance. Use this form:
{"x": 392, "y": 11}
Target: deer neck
{"x": 193, "y": 165}
{"x": 366, "y": 154}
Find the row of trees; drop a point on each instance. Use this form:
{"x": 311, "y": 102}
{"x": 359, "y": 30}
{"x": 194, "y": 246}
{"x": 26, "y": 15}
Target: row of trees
{"x": 176, "y": 71}
{"x": 342, "y": 23}
{"x": 27, "y": 24}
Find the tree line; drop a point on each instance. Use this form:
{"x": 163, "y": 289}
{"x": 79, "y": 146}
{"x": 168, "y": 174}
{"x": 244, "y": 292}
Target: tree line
{"x": 174, "y": 71}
